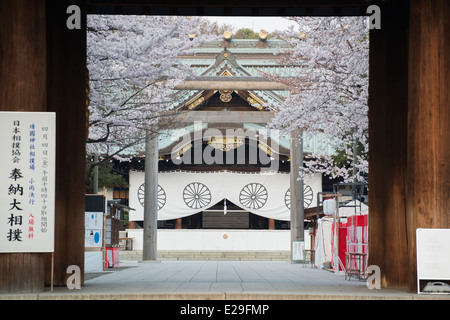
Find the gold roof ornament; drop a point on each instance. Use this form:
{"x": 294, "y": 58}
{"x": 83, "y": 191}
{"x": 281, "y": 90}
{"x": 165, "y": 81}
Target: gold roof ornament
{"x": 263, "y": 35}
{"x": 196, "y": 103}
{"x": 225, "y": 95}
{"x": 184, "y": 148}
{"x": 264, "y": 147}
{"x": 255, "y": 103}
{"x": 227, "y": 35}
{"x": 226, "y": 143}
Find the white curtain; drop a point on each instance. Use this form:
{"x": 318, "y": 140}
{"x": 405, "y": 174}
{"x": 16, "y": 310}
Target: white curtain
{"x": 323, "y": 252}
{"x": 183, "y": 193}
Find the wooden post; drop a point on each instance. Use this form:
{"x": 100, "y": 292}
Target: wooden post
{"x": 151, "y": 198}
{"x": 22, "y": 88}
{"x": 388, "y": 107}
{"x": 178, "y": 223}
{"x": 43, "y": 67}
{"x": 296, "y": 176}
{"x": 271, "y": 224}
{"x": 428, "y": 194}
{"x": 66, "y": 88}
{"x": 337, "y": 224}
{"x": 408, "y": 134}
{"x": 52, "y": 271}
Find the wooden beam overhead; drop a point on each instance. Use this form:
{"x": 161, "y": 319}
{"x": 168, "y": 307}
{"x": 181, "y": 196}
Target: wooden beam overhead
{"x": 230, "y": 83}
{"x": 226, "y": 116}
{"x": 229, "y": 8}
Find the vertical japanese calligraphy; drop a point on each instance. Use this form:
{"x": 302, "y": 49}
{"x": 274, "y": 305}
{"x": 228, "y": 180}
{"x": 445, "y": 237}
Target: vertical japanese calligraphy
{"x": 14, "y": 191}
{"x": 27, "y": 181}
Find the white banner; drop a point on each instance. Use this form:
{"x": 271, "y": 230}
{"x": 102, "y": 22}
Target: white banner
{"x": 27, "y": 181}
{"x": 182, "y": 194}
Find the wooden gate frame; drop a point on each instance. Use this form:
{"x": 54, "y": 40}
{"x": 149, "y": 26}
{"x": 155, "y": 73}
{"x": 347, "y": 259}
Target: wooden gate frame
{"x": 43, "y": 68}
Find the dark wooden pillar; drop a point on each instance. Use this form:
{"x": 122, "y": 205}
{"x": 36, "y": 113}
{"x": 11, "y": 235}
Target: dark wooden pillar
{"x": 22, "y": 88}
{"x": 388, "y": 108}
{"x": 428, "y": 197}
{"x": 271, "y": 224}
{"x": 409, "y": 116}
{"x": 42, "y": 68}
{"x": 66, "y": 95}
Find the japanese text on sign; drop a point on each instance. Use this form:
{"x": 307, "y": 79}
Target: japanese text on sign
{"x": 27, "y": 182}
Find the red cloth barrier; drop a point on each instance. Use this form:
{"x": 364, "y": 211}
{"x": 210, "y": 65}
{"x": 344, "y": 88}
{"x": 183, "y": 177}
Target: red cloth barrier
{"x": 353, "y": 237}
{"x": 357, "y": 236}
{"x": 342, "y": 244}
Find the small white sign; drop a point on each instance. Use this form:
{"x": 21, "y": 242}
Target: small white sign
{"x": 93, "y": 220}
{"x": 93, "y": 225}
{"x": 27, "y": 181}
{"x": 93, "y": 238}
{"x": 298, "y": 250}
{"x": 433, "y": 254}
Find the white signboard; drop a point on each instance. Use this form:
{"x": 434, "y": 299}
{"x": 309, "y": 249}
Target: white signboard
{"x": 93, "y": 238}
{"x": 297, "y": 250}
{"x": 27, "y": 181}
{"x": 433, "y": 254}
{"x": 93, "y": 220}
{"x": 93, "y": 235}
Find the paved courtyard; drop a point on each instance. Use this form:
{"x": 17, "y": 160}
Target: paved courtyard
{"x": 221, "y": 280}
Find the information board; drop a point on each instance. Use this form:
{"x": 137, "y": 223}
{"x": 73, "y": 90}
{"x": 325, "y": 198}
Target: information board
{"x": 93, "y": 230}
{"x": 27, "y": 181}
{"x": 298, "y": 250}
{"x": 433, "y": 254}
{"x": 95, "y": 206}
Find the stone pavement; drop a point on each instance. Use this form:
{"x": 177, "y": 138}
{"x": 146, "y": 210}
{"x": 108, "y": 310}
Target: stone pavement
{"x": 219, "y": 280}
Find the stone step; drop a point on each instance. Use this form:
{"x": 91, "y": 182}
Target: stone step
{"x": 211, "y": 255}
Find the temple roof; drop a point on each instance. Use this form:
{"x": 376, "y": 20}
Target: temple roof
{"x": 233, "y": 59}
{"x": 223, "y": 58}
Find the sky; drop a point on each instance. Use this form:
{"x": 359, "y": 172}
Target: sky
{"x": 269, "y": 24}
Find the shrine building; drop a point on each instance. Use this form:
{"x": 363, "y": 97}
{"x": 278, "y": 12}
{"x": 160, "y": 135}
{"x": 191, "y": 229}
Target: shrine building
{"x": 220, "y": 169}
{"x": 43, "y": 69}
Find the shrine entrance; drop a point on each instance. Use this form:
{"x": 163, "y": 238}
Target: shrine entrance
{"x": 43, "y": 67}
{"x": 220, "y": 166}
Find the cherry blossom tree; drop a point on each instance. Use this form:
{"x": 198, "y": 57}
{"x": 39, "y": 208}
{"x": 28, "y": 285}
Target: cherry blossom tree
{"x": 134, "y": 65}
{"x": 329, "y": 91}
